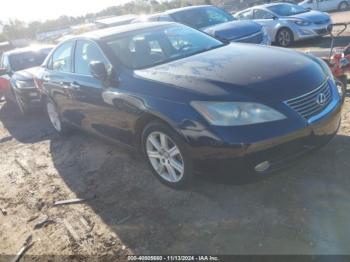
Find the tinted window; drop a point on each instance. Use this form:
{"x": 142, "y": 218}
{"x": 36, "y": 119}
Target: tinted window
{"x": 262, "y": 14}
{"x": 246, "y": 15}
{"x": 29, "y": 59}
{"x": 61, "y": 58}
{"x": 5, "y": 62}
{"x": 85, "y": 53}
{"x": 202, "y": 17}
{"x": 160, "y": 45}
{"x": 287, "y": 9}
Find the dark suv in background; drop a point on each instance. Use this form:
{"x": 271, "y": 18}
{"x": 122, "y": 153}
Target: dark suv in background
{"x": 17, "y": 69}
{"x": 215, "y": 22}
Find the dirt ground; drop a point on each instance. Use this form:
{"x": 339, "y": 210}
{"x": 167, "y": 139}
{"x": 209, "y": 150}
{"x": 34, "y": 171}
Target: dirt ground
{"x": 302, "y": 210}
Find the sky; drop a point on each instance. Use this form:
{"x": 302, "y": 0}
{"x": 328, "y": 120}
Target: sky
{"x": 31, "y": 10}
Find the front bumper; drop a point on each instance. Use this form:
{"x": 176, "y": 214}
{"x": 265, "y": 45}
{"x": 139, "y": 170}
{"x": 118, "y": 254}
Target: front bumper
{"x": 312, "y": 31}
{"x": 277, "y": 151}
{"x": 31, "y": 97}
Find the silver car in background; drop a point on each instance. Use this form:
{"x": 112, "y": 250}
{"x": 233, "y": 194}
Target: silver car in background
{"x": 328, "y": 5}
{"x": 286, "y": 23}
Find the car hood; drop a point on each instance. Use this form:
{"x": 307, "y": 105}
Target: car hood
{"x": 313, "y": 16}
{"x": 26, "y": 74}
{"x": 233, "y": 30}
{"x": 238, "y": 71}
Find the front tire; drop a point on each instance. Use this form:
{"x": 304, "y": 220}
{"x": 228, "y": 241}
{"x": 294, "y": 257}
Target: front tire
{"x": 284, "y": 37}
{"x": 167, "y": 155}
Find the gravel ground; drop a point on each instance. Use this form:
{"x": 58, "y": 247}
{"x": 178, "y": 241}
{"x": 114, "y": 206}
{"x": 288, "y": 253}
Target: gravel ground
{"x": 302, "y": 210}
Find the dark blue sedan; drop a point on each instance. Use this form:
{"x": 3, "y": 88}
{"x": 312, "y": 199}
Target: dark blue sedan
{"x": 186, "y": 99}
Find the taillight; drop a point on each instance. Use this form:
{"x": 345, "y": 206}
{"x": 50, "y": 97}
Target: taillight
{"x": 38, "y": 83}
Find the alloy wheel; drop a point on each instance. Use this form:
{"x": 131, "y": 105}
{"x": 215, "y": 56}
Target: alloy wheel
{"x": 284, "y": 38}
{"x": 165, "y": 157}
{"x": 343, "y": 6}
{"x": 53, "y": 116}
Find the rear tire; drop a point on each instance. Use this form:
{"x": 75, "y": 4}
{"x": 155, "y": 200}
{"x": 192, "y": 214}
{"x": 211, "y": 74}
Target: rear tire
{"x": 55, "y": 119}
{"x": 167, "y": 155}
{"x": 343, "y": 6}
{"x": 284, "y": 37}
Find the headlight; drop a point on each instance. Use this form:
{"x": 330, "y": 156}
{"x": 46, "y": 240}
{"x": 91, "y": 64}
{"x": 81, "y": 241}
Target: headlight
{"x": 302, "y": 22}
{"x": 327, "y": 71}
{"x": 24, "y": 84}
{"x": 236, "y": 113}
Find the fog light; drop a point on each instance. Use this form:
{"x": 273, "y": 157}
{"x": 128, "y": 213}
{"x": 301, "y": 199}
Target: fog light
{"x": 263, "y": 166}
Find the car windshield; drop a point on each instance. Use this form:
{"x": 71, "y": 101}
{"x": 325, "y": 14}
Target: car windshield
{"x": 28, "y": 59}
{"x": 287, "y": 9}
{"x": 202, "y": 17}
{"x": 147, "y": 48}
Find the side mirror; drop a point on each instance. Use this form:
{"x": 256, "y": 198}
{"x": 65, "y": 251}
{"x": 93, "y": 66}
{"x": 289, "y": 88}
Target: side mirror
{"x": 98, "y": 70}
{"x": 3, "y": 71}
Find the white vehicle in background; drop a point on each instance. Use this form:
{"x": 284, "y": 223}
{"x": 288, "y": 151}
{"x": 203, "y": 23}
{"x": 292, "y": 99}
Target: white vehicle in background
{"x": 286, "y": 23}
{"x": 326, "y": 5}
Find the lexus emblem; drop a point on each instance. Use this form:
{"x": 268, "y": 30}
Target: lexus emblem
{"x": 321, "y": 99}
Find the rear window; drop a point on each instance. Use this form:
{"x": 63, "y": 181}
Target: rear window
{"x": 202, "y": 17}
{"x": 28, "y": 59}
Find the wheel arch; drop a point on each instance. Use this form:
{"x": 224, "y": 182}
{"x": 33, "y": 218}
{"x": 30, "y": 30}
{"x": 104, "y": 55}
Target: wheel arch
{"x": 144, "y": 120}
{"x": 281, "y": 28}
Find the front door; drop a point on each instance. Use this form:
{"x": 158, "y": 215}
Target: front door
{"x": 87, "y": 91}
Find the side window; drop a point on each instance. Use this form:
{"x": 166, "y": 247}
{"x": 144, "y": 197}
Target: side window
{"x": 85, "y": 53}
{"x": 165, "y": 18}
{"x": 246, "y": 15}
{"x": 61, "y": 58}
{"x": 262, "y": 14}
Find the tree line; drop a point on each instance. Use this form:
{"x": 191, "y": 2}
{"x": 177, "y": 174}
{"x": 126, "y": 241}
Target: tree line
{"x": 16, "y": 28}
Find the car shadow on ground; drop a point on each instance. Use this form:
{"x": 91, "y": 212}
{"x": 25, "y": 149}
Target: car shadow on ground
{"x": 26, "y": 129}
{"x": 323, "y": 42}
{"x": 304, "y": 209}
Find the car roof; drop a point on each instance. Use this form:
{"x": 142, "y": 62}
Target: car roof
{"x": 173, "y": 11}
{"x": 27, "y": 49}
{"x": 273, "y": 4}
{"x": 103, "y": 33}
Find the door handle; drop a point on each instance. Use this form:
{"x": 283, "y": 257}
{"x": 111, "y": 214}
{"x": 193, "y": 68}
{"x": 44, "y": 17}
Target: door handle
{"x": 74, "y": 85}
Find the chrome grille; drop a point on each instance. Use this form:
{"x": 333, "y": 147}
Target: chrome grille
{"x": 308, "y": 105}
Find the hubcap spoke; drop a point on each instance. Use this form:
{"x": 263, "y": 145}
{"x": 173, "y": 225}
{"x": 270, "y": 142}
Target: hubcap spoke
{"x": 155, "y": 143}
{"x": 163, "y": 141}
{"x": 171, "y": 173}
{"x": 54, "y": 118}
{"x": 173, "y": 151}
{"x": 175, "y": 164}
{"x": 154, "y": 154}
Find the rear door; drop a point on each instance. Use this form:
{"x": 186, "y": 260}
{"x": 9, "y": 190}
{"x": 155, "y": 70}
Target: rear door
{"x": 57, "y": 79}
